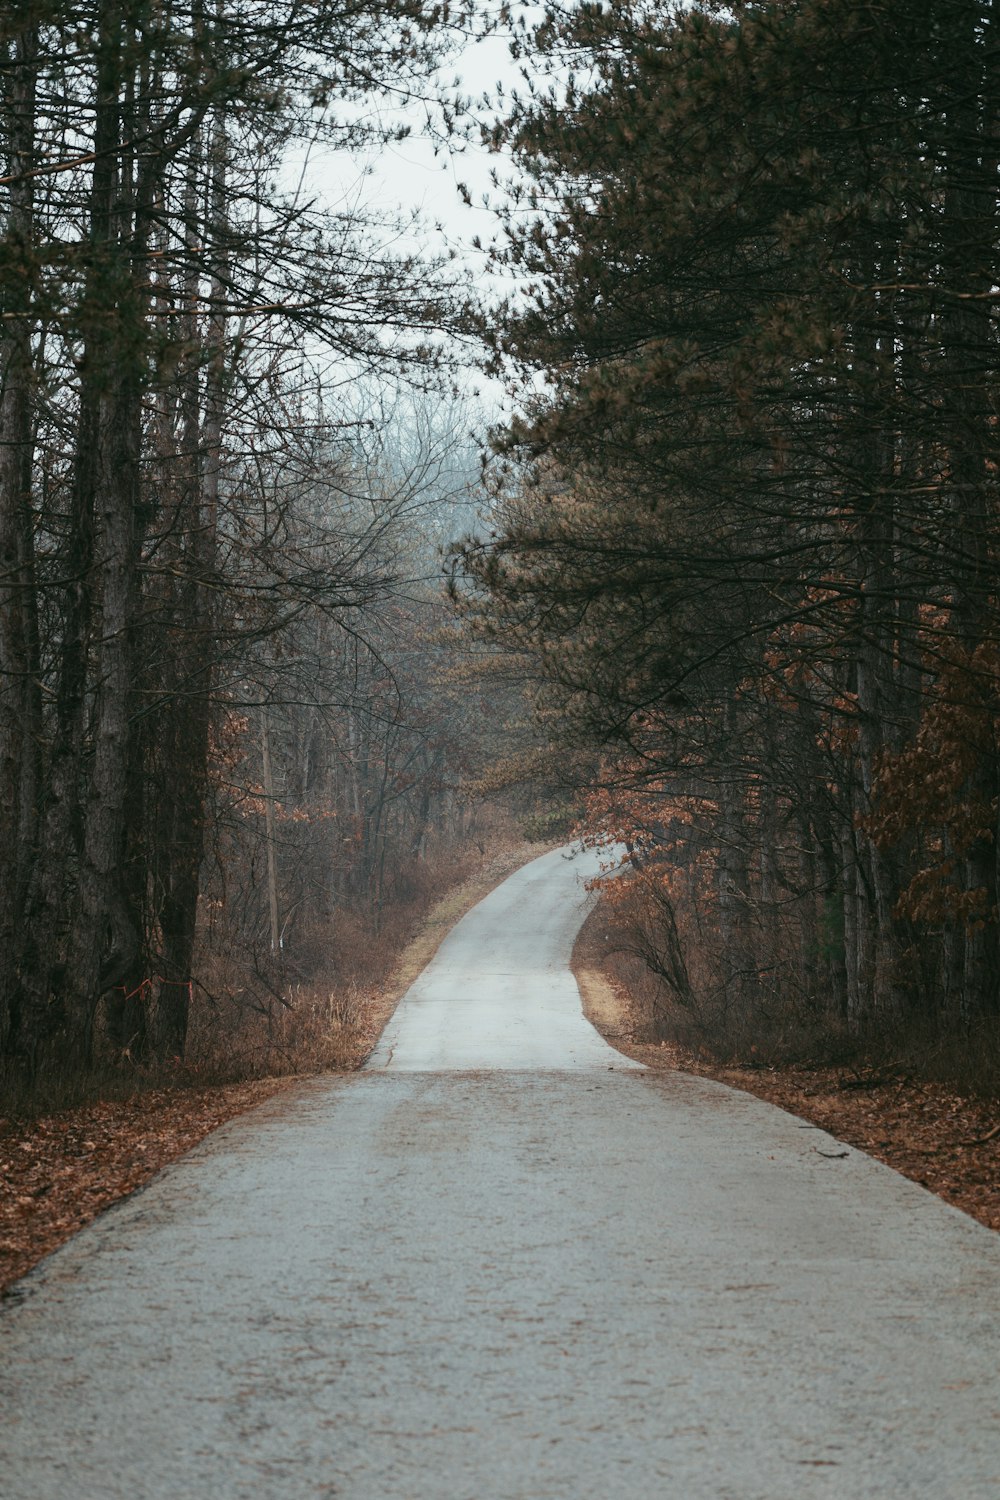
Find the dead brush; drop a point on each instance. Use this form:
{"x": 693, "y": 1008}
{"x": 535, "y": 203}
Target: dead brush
{"x": 766, "y": 1016}
{"x": 318, "y": 1006}
{"x": 314, "y": 1028}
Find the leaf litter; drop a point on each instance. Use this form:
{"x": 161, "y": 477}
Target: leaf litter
{"x": 60, "y": 1171}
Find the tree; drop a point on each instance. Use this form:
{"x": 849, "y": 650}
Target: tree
{"x": 753, "y": 548}
{"x": 159, "y": 286}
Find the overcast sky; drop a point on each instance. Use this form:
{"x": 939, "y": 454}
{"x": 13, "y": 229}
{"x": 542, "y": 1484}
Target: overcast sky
{"x": 410, "y": 176}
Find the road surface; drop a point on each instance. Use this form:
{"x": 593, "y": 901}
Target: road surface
{"x": 584, "y": 1282}
{"x": 499, "y": 994}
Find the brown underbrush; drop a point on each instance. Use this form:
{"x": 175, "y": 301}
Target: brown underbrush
{"x": 323, "y": 1006}
{"x": 770, "y": 1019}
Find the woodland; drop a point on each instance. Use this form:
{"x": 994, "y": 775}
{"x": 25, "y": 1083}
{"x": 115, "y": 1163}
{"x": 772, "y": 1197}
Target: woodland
{"x": 727, "y": 590}
{"x": 229, "y": 738}
{"x": 748, "y": 533}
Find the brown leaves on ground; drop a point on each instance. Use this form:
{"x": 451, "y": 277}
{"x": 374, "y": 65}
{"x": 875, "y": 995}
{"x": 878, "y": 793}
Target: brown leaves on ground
{"x": 59, "y": 1172}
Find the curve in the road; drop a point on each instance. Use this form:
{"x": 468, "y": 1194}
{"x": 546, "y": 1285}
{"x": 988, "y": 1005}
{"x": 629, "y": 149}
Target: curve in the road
{"x": 499, "y": 993}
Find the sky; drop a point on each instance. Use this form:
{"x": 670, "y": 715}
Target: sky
{"x": 410, "y": 176}
{"x": 409, "y": 173}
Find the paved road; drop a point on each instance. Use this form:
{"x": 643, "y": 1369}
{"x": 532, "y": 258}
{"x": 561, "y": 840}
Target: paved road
{"x": 499, "y": 993}
{"x": 589, "y": 1283}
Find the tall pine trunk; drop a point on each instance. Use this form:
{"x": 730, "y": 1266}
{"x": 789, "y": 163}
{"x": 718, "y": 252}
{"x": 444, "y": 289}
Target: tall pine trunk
{"x": 19, "y": 696}
{"x": 186, "y": 775}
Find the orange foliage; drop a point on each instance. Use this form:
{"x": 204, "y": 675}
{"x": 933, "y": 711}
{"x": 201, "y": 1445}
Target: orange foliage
{"x": 663, "y": 832}
{"x": 940, "y": 788}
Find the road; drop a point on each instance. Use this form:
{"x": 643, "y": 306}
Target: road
{"x": 499, "y": 994}
{"x": 586, "y": 1282}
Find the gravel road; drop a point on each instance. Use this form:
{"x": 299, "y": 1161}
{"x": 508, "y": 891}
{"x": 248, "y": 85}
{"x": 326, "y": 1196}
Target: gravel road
{"x": 583, "y": 1282}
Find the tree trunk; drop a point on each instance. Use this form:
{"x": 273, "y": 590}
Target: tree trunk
{"x": 19, "y": 700}
{"x": 104, "y": 940}
{"x": 187, "y": 774}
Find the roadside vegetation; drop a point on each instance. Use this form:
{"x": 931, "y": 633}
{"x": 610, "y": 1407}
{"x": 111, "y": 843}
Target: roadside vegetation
{"x": 746, "y": 542}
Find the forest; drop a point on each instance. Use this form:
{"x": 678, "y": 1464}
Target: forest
{"x": 727, "y": 590}
{"x": 752, "y": 552}
{"x": 228, "y": 732}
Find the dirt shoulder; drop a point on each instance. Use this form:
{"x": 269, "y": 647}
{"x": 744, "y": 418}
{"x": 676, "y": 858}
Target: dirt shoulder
{"x": 948, "y": 1143}
{"x": 60, "y": 1171}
